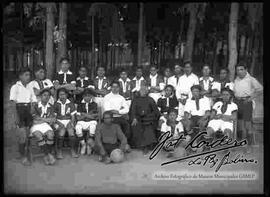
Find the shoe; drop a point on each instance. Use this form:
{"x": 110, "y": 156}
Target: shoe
{"x": 51, "y": 159}
{"x": 25, "y": 161}
{"x": 100, "y": 158}
{"x": 59, "y": 154}
{"x": 46, "y": 160}
{"x": 89, "y": 150}
{"x": 74, "y": 154}
{"x": 83, "y": 149}
{"x": 128, "y": 149}
{"x": 107, "y": 160}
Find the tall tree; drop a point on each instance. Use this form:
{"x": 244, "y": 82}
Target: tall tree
{"x": 233, "y": 38}
{"x": 255, "y": 13}
{"x": 62, "y": 44}
{"x": 140, "y": 35}
{"x": 49, "y": 60}
{"x": 196, "y": 11}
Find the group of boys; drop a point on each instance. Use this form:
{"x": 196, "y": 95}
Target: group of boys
{"x": 133, "y": 111}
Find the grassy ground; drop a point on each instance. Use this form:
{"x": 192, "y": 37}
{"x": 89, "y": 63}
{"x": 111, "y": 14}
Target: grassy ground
{"x": 86, "y": 175}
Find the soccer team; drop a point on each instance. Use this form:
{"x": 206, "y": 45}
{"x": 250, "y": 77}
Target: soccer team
{"x": 100, "y": 115}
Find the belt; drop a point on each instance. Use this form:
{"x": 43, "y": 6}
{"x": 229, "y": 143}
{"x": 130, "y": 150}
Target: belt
{"x": 23, "y": 104}
{"x": 242, "y": 98}
{"x": 99, "y": 95}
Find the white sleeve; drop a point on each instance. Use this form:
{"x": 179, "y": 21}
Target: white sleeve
{"x": 163, "y": 127}
{"x": 207, "y": 105}
{"x": 234, "y": 107}
{"x": 106, "y": 104}
{"x": 180, "y": 128}
{"x": 215, "y": 106}
{"x": 125, "y": 106}
{"x": 13, "y": 93}
{"x": 177, "y": 93}
{"x": 196, "y": 80}
{"x": 187, "y": 107}
{"x": 33, "y": 96}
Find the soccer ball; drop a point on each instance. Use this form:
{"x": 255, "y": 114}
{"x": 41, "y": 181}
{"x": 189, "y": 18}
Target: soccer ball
{"x": 117, "y": 156}
{"x": 179, "y": 152}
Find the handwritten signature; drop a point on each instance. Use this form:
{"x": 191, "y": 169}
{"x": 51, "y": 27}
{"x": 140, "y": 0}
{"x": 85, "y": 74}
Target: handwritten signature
{"x": 166, "y": 141}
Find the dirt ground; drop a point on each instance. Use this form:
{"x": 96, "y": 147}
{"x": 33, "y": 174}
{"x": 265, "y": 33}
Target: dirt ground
{"x": 86, "y": 175}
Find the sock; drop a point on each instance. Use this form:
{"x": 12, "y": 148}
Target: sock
{"x": 72, "y": 142}
{"x": 60, "y": 143}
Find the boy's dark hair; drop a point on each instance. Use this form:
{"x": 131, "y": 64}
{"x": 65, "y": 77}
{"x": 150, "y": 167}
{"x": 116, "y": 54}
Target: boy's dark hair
{"x": 242, "y": 64}
{"x": 63, "y": 59}
{"x": 139, "y": 67}
{"x": 123, "y": 70}
{"x": 100, "y": 67}
{"x": 83, "y": 67}
{"x": 196, "y": 87}
{"x": 24, "y": 70}
{"x": 45, "y": 90}
{"x": 187, "y": 62}
{"x": 62, "y": 90}
{"x": 172, "y": 110}
{"x": 206, "y": 65}
{"x": 40, "y": 67}
{"x": 154, "y": 66}
{"x": 169, "y": 86}
{"x": 227, "y": 90}
{"x": 226, "y": 69}
{"x": 89, "y": 91}
{"x": 107, "y": 113}
{"x": 115, "y": 82}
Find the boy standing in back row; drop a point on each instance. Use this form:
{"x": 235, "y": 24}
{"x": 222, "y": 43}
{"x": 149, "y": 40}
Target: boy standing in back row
{"x": 22, "y": 96}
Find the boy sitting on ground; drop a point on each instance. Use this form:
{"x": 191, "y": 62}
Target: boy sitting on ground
{"x": 107, "y": 138}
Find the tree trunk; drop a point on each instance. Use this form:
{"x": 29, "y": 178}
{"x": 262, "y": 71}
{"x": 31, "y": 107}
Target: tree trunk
{"x": 255, "y": 50}
{"x": 140, "y": 36}
{"x": 49, "y": 41}
{"x": 62, "y": 45}
{"x": 191, "y": 34}
{"x": 233, "y": 39}
{"x": 242, "y": 46}
{"x": 92, "y": 69}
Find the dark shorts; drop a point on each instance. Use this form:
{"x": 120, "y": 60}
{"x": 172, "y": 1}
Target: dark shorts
{"x": 110, "y": 147}
{"x": 24, "y": 115}
{"x": 244, "y": 110}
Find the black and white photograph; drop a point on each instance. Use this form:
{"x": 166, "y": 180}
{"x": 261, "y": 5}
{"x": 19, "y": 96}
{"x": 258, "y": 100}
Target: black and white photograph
{"x": 133, "y": 97}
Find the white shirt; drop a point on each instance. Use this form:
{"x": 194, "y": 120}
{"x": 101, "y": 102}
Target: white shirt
{"x": 217, "y": 86}
{"x": 178, "y": 128}
{"x": 173, "y": 81}
{"x": 124, "y": 84}
{"x": 115, "y": 102}
{"x": 206, "y": 83}
{"x": 43, "y": 108}
{"x": 185, "y": 83}
{"x": 153, "y": 80}
{"x": 21, "y": 94}
{"x": 190, "y": 107}
{"x": 246, "y": 86}
{"x": 138, "y": 84}
{"x": 230, "y": 108}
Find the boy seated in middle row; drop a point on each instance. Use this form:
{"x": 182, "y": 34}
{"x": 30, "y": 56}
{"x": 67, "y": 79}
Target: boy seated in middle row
{"x": 196, "y": 110}
{"x": 87, "y": 115}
